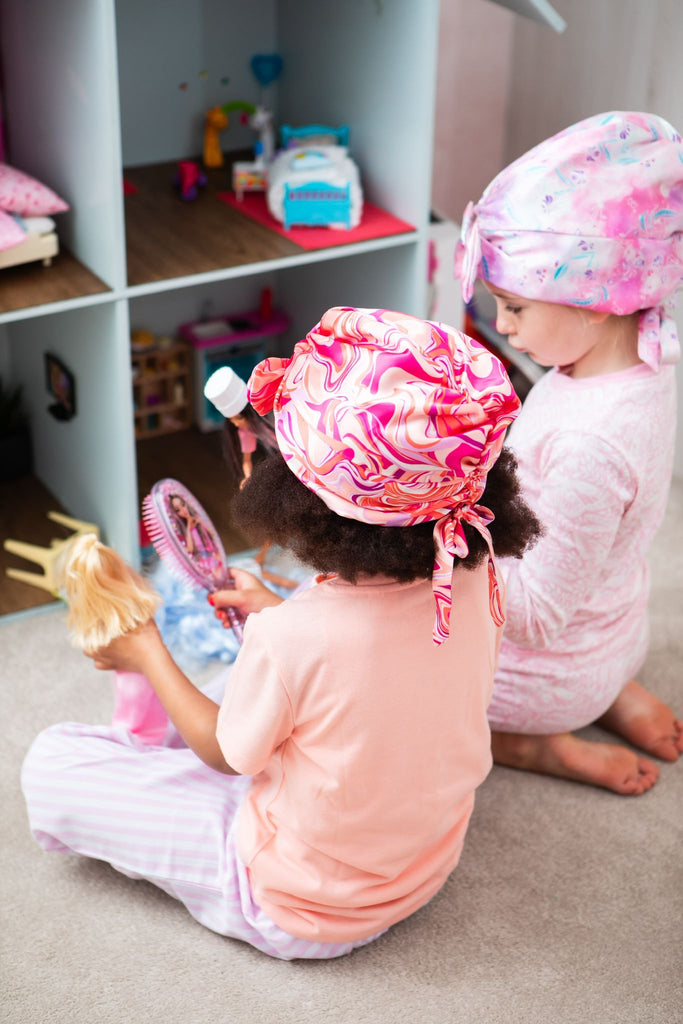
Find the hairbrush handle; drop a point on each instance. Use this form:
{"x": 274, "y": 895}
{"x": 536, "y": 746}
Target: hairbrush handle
{"x": 235, "y": 617}
{"x": 236, "y": 621}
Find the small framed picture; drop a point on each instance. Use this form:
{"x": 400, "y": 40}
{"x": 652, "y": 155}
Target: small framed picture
{"x": 62, "y": 386}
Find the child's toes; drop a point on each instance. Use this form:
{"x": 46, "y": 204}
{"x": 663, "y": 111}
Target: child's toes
{"x": 678, "y": 735}
{"x": 648, "y": 773}
{"x": 668, "y": 747}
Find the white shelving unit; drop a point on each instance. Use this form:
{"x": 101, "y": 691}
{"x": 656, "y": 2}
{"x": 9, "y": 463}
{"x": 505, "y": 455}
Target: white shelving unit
{"x": 91, "y": 87}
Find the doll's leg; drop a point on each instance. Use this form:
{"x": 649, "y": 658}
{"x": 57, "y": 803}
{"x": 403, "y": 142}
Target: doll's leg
{"x": 279, "y": 581}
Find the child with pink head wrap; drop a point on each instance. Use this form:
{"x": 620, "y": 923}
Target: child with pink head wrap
{"x": 580, "y": 241}
{"x": 330, "y": 794}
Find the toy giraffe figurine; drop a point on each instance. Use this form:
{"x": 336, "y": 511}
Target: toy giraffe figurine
{"x": 215, "y": 121}
{"x": 106, "y": 599}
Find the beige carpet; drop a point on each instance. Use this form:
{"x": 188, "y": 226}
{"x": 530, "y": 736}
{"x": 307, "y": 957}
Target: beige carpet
{"x": 565, "y": 909}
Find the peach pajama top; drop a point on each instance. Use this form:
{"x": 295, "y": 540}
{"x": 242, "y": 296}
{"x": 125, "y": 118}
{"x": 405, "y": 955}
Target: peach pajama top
{"x": 366, "y": 743}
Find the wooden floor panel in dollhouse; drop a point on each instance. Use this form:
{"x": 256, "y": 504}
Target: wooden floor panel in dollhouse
{"x": 32, "y": 284}
{"x": 168, "y": 238}
{"x": 24, "y": 504}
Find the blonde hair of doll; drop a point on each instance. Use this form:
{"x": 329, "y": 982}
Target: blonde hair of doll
{"x": 106, "y": 597}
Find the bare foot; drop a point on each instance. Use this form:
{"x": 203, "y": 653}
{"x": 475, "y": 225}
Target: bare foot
{"x": 646, "y": 722}
{"x": 569, "y": 757}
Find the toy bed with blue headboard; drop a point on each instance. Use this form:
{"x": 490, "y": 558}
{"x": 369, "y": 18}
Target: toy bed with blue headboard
{"x": 313, "y": 181}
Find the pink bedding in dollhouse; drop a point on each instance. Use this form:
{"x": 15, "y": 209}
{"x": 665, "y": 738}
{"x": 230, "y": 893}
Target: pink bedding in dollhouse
{"x": 27, "y": 230}
{"x": 375, "y": 223}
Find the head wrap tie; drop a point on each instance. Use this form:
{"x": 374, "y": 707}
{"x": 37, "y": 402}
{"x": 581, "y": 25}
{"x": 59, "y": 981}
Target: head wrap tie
{"x": 592, "y": 217}
{"x": 394, "y": 421}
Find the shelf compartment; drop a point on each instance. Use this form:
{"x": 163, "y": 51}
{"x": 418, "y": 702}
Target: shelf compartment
{"x": 162, "y": 390}
{"x": 168, "y": 238}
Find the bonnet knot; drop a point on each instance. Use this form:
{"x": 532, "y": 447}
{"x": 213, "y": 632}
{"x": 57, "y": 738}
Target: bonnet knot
{"x": 265, "y": 382}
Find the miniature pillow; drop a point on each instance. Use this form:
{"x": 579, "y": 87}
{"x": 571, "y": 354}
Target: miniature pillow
{"x": 320, "y": 139}
{"x": 11, "y": 233}
{"x": 36, "y": 225}
{"x": 307, "y": 159}
{"x": 22, "y": 194}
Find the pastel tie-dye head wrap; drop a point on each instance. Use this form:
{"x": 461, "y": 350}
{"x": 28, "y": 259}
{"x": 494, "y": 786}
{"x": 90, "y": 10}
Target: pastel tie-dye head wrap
{"x": 591, "y": 217}
{"x": 394, "y": 421}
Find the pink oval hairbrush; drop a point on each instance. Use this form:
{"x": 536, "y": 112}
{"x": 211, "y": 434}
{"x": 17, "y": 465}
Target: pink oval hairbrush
{"x": 187, "y": 541}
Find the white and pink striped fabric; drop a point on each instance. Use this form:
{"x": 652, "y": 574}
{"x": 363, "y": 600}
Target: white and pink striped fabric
{"x": 155, "y": 812}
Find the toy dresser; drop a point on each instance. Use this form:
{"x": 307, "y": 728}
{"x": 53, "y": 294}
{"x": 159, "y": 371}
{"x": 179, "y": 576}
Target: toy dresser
{"x": 236, "y": 340}
{"x": 249, "y": 177}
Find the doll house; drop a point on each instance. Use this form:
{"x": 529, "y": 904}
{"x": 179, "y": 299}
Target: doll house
{"x": 118, "y": 100}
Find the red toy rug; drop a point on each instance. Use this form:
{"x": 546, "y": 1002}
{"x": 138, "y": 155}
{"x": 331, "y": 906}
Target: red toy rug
{"x": 375, "y": 223}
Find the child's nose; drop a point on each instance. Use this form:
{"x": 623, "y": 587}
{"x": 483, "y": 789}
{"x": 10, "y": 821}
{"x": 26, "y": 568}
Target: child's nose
{"x": 504, "y": 322}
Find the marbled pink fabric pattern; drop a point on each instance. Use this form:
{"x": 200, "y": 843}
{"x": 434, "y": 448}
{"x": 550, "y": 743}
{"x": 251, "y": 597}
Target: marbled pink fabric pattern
{"x": 395, "y": 421}
{"x": 591, "y": 217}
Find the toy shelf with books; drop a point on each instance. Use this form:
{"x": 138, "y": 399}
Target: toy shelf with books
{"x": 162, "y": 389}
{"x": 121, "y": 97}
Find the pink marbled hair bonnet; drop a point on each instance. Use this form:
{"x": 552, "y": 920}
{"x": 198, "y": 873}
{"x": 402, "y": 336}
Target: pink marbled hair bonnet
{"x": 394, "y": 421}
{"x": 591, "y": 217}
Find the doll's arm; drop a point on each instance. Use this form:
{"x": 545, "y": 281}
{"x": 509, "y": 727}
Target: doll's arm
{"x": 194, "y": 715}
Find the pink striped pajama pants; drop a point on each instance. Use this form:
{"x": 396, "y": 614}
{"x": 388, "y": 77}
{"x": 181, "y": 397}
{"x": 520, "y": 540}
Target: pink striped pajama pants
{"x": 155, "y": 812}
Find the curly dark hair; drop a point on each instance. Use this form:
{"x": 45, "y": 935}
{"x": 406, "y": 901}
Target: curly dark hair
{"x": 275, "y": 506}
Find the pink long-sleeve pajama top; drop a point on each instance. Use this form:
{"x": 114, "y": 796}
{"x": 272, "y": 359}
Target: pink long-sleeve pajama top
{"x": 595, "y": 460}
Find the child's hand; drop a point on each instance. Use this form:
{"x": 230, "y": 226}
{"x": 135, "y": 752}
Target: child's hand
{"x": 130, "y": 652}
{"x": 250, "y": 595}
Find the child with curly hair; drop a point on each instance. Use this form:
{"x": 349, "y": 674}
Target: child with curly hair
{"x": 329, "y": 794}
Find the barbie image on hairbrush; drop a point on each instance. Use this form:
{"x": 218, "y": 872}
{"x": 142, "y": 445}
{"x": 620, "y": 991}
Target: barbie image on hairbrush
{"x": 195, "y": 536}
